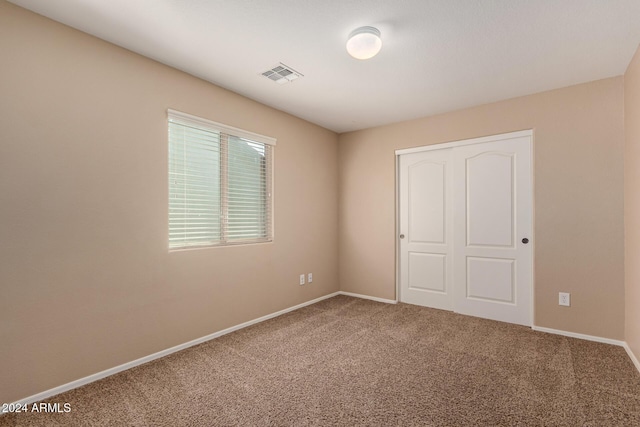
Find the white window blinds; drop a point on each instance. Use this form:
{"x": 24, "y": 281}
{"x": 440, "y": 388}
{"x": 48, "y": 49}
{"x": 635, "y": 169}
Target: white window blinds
{"x": 220, "y": 184}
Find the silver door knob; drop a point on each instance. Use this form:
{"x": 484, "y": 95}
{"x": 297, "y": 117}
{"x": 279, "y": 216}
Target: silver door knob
{"x": 402, "y": 236}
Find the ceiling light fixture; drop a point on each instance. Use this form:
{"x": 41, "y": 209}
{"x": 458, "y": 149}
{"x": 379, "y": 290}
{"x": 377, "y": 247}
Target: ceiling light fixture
{"x": 364, "y": 42}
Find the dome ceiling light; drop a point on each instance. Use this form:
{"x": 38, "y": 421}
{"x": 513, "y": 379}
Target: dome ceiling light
{"x": 364, "y": 42}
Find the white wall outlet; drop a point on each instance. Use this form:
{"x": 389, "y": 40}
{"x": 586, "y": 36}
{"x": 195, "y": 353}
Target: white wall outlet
{"x": 310, "y": 277}
{"x": 564, "y": 298}
{"x": 302, "y": 279}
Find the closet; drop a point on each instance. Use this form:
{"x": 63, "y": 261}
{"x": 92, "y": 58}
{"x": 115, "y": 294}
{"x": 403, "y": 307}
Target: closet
{"x": 465, "y": 226}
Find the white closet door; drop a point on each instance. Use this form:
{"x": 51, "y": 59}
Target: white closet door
{"x": 426, "y": 263}
{"x": 493, "y": 225}
{"x": 465, "y": 227}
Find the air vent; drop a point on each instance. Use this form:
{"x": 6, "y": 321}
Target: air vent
{"x": 282, "y": 74}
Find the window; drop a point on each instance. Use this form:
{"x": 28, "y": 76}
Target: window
{"x": 220, "y": 184}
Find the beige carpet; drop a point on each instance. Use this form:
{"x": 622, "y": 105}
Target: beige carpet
{"x": 350, "y": 362}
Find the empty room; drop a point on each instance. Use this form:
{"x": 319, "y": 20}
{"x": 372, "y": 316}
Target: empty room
{"x": 290, "y": 213}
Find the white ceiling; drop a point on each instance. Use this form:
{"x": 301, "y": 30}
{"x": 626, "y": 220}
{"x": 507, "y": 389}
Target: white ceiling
{"x": 437, "y": 55}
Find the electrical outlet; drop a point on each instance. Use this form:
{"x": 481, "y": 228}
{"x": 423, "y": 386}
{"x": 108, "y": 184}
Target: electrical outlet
{"x": 310, "y": 277}
{"x": 302, "y": 279}
{"x": 564, "y": 298}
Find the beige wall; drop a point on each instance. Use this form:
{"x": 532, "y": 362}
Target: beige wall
{"x": 632, "y": 203}
{"x": 86, "y": 282}
{"x": 578, "y": 206}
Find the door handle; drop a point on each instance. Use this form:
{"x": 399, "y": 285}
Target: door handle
{"x": 525, "y": 240}
{"x": 402, "y": 236}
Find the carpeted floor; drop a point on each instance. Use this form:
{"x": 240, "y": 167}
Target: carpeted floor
{"x": 349, "y": 362}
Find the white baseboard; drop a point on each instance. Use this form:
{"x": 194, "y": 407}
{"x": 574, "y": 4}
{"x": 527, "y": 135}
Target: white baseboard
{"x": 351, "y": 294}
{"x": 108, "y": 372}
{"x": 579, "y": 336}
{"x": 632, "y": 356}
{"x": 622, "y": 344}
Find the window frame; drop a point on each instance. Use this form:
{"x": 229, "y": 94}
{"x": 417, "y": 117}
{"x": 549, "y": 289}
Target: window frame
{"x": 225, "y": 131}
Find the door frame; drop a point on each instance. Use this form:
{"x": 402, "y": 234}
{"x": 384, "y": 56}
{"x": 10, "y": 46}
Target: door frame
{"x": 439, "y": 146}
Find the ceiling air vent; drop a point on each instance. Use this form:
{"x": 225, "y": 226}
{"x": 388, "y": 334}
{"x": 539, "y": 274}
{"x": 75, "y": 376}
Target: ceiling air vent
{"x": 282, "y": 74}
